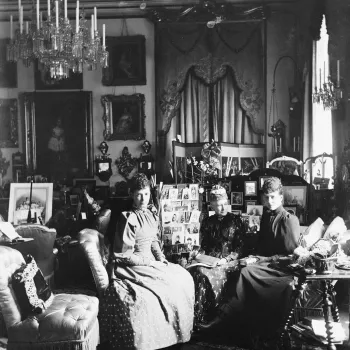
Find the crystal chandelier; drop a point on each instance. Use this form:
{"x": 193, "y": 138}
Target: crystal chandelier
{"x": 328, "y": 93}
{"x": 57, "y": 45}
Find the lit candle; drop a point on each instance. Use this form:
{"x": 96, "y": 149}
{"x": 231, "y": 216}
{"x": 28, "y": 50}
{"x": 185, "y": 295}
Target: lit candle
{"x": 48, "y": 8}
{"x": 95, "y": 18}
{"x": 11, "y": 27}
{"x": 57, "y": 22}
{"x": 338, "y": 73}
{"x": 65, "y": 9}
{"x": 92, "y": 26}
{"x": 77, "y": 20}
{"x": 37, "y": 15}
{"x": 103, "y": 35}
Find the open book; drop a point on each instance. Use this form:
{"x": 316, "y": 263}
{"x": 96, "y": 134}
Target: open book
{"x": 204, "y": 260}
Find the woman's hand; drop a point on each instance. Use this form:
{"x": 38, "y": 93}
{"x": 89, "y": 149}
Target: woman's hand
{"x": 221, "y": 262}
{"x": 164, "y": 261}
{"x": 156, "y": 264}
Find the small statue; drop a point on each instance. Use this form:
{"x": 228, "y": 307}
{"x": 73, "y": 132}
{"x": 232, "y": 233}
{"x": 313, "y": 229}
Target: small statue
{"x": 104, "y": 149}
{"x": 146, "y": 146}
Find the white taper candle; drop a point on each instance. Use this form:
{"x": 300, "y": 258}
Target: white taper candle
{"x": 338, "y": 73}
{"x": 11, "y": 27}
{"x": 37, "y": 15}
{"x": 21, "y": 20}
{"x": 65, "y": 9}
{"x": 48, "y": 8}
{"x": 103, "y": 34}
{"x": 77, "y": 20}
{"x": 57, "y": 14}
{"x": 95, "y": 18}
{"x": 92, "y": 26}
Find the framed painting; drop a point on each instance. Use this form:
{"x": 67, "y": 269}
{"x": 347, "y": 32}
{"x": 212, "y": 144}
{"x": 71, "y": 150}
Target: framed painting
{"x": 20, "y": 200}
{"x": 295, "y": 196}
{"x": 124, "y": 117}
{"x": 127, "y": 61}
{"x": 9, "y": 123}
{"x": 8, "y": 70}
{"x": 237, "y": 198}
{"x": 250, "y": 188}
{"x": 58, "y": 129}
{"x": 43, "y": 80}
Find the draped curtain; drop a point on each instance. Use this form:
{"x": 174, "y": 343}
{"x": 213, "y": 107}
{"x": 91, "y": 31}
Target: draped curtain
{"x": 210, "y": 84}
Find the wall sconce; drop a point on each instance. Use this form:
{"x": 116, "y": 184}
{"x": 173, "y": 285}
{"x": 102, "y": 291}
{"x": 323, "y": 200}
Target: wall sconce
{"x": 103, "y": 163}
{"x": 146, "y": 162}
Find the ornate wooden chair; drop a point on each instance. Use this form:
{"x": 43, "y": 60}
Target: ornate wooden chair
{"x": 286, "y": 165}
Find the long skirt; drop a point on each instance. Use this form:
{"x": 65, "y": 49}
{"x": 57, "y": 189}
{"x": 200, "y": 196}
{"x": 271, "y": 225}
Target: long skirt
{"x": 147, "y": 308}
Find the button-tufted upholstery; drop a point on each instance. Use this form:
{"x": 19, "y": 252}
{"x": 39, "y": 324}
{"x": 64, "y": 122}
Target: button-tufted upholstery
{"x": 41, "y": 248}
{"x": 69, "y": 323}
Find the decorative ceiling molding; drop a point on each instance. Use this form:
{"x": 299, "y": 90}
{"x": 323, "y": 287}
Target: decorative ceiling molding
{"x": 131, "y": 8}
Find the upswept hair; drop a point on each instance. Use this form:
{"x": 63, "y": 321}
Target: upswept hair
{"x": 272, "y": 184}
{"x": 139, "y": 182}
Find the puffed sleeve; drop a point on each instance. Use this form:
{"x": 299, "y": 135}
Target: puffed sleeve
{"x": 205, "y": 235}
{"x": 290, "y": 230}
{"x": 124, "y": 242}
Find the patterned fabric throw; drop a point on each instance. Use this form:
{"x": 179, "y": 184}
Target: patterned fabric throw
{"x": 32, "y": 292}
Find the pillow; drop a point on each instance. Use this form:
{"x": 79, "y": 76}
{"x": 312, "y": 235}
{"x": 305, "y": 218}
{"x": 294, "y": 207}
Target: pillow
{"x": 32, "y": 292}
{"x": 313, "y": 233}
{"x": 335, "y": 230}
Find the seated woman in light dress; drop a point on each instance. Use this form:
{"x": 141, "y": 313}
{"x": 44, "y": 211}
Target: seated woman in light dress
{"x": 149, "y": 302}
{"x": 221, "y": 237}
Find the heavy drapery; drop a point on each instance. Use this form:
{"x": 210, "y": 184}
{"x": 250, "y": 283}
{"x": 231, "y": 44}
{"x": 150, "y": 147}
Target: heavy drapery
{"x": 207, "y": 79}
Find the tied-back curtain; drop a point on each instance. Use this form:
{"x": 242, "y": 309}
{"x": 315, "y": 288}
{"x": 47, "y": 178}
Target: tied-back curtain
{"x": 210, "y": 83}
{"x": 213, "y": 112}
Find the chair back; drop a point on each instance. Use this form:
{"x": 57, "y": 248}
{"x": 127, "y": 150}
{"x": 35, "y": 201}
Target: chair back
{"x": 286, "y": 165}
{"x": 102, "y": 221}
{"x": 10, "y": 261}
{"x": 92, "y": 243}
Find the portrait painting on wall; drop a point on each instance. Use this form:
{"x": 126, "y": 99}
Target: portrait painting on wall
{"x": 124, "y": 117}
{"x": 61, "y": 127}
{"x": 127, "y": 61}
{"x": 43, "y": 81}
{"x": 8, "y": 70}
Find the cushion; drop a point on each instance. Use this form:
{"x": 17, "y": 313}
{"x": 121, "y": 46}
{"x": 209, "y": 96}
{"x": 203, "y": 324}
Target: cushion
{"x": 31, "y": 290}
{"x": 313, "y": 233}
{"x": 336, "y": 229}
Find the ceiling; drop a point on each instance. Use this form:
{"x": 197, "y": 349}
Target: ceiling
{"x": 167, "y": 9}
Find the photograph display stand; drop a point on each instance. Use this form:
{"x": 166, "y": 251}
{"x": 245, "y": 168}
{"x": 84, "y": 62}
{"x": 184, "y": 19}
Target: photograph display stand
{"x": 180, "y": 207}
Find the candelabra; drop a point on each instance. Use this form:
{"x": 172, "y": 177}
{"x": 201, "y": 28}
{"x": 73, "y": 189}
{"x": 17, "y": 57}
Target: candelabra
{"x": 56, "y": 44}
{"x": 328, "y": 93}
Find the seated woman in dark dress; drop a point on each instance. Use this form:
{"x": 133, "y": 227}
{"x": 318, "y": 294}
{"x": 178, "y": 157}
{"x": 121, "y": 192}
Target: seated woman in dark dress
{"x": 262, "y": 294}
{"x": 221, "y": 237}
{"x": 149, "y": 302}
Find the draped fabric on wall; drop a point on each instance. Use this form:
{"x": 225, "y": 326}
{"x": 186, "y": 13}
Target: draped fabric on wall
{"x": 207, "y": 78}
{"x": 213, "y": 112}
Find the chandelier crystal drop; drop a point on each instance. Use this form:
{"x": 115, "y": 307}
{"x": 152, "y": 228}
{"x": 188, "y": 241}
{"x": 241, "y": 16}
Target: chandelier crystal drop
{"x": 55, "y": 43}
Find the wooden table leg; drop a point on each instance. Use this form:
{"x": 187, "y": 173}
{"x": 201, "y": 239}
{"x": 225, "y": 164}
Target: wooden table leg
{"x": 334, "y": 307}
{"x": 327, "y": 304}
{"x": 295, "y": 295}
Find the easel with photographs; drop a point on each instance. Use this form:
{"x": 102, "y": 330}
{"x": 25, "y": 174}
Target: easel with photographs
{"x": 180, "y": 208}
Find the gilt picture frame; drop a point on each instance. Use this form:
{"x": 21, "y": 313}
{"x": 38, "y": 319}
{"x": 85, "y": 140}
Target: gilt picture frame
{"x": 42, "y": 196}
{"x": 8, "y": 123}
{"x": 8, "y": 70}
{"x": 124, "y": 117}
{"x": 58, "y": 134}
{"x": 126, "y": 62}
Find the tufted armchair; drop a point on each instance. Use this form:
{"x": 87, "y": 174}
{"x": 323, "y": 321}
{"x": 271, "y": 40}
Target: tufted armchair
{"x": 41, "y": 248}
{"x": 70, "y": 322}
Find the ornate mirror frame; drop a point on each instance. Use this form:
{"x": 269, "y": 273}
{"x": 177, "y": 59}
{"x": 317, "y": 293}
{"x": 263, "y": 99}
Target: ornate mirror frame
{"x": 124, "y": 117}
{"x": 9, "y": 120}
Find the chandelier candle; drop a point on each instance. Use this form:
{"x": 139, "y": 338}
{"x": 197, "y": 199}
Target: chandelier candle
{"x": 37, "y": 15}
{"x": 57, "y": 18}
{"x": 103, "y": 35}
{"x": 48, "y": 9}
{"x": 65, "y": 10}
{"x": 11, "y": 27}
{"x": 92, "y": 27}
{"x": 338, "y": 73}
{"x": 77, "y": 18}
{"x": 95, "y": 18}
{"x": 21, "y": 20}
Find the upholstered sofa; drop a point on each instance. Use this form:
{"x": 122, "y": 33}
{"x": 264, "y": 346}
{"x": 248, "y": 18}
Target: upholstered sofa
{"x": 70, "y": 322}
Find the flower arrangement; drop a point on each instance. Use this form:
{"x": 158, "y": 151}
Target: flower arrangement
{"x": 207, "y": 168}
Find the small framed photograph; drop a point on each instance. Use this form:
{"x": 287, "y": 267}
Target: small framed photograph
{"x": 74, "y": 199}
{"x": 291, "y": 209}
{"x": 186, "y": 193}
{"x": 262, "y": 180}
{"x": 255, "y": 210}
{"x": 173, "y": 194}
{"x": 250, "y": 188}
{"x": 254, "y": 223}
{"x": 193, "y": 191}
{"x": 236, "y": 212}
{"x": 237, "y": 198}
